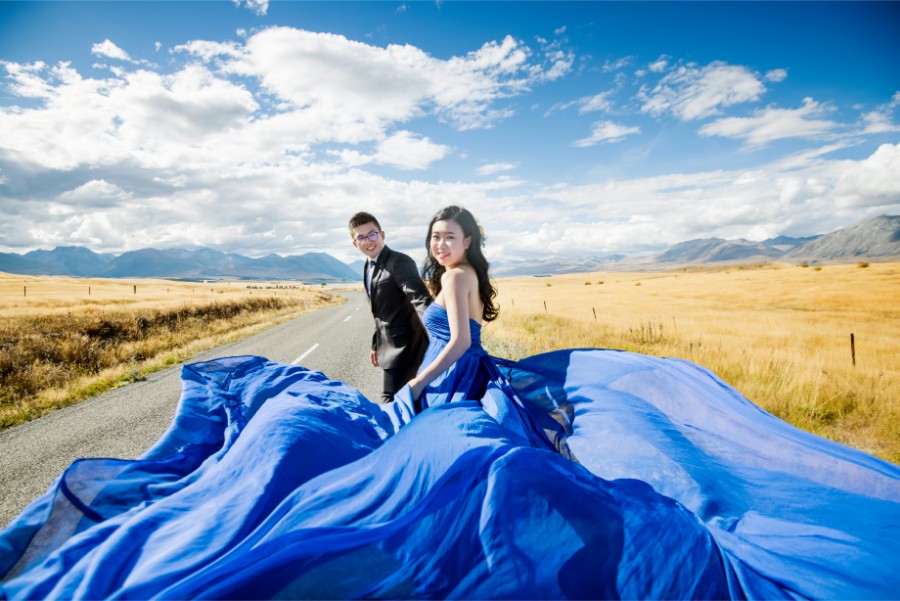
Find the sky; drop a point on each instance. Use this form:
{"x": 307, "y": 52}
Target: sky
{"x": 571, "y": 130}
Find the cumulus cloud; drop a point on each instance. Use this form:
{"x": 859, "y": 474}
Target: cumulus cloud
{"x": 108, "y": 49}
{"x": 330, "y": 74}
{"x": 403, "y": 150}
{"x": 607, "y": 131}
{"x": 691, "y": 92}
{"x": 95, "y": 193}
{"x": 803, "y": 195}
{"x": 268, "y": 143}
{"x": 770, "y": 124}
{"x": 776, "y": 75}
{"x": 873, "y": 182}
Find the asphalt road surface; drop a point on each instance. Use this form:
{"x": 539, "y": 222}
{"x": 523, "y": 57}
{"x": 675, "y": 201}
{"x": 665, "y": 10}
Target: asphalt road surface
{"x": 125, "y": 422}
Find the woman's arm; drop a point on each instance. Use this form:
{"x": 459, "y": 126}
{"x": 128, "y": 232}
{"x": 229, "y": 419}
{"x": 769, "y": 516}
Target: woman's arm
{"x": 455, "y": 285}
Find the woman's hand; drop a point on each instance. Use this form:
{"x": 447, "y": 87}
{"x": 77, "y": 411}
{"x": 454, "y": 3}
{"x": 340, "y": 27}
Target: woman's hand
{"x": 416, "y": 387}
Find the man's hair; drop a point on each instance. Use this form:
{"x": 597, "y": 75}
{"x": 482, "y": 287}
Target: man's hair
{"x": 362, "y": 218}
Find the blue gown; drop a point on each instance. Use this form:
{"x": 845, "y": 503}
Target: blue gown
{"x": 573, "y": 474}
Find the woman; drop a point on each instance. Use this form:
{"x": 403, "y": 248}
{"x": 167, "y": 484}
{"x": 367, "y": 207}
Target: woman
{"x": 455, "y": 366}
{"x": 275, "y": 481}
{"x": 457, "y": 273}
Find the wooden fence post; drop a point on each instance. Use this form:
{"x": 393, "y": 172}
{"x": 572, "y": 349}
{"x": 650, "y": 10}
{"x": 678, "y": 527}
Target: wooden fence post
{"x": 853, "y": 349}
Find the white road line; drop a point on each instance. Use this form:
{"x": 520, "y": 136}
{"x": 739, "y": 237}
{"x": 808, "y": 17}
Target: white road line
{"x": 303, "y": 356}
{"x": 349, "y": 317}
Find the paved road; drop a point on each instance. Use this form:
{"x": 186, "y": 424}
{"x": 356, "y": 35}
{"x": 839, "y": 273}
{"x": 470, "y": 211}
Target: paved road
{"x": 127, "y": 421}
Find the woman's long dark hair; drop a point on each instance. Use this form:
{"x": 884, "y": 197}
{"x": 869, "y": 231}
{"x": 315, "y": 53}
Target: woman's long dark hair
{"x": 432, "y": 271}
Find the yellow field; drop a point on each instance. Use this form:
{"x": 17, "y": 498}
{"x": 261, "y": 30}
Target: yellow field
{"x": 778, "y": 333}
{"x": 22, "y": 295}
{"x": 65, "y": 339}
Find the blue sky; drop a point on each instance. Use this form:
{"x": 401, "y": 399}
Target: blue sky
{"x": 570, "y": 129}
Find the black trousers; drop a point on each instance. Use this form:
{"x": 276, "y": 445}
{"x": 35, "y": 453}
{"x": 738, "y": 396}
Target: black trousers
{"x": 395, "y": 379}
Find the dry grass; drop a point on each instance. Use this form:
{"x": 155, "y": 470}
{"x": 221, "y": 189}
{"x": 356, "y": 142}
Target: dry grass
{"x": 778, "y": 333}
{"x": 64, "y": 339}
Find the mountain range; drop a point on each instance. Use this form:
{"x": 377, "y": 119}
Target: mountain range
{"x": 203, "y": 263}
{"x": 873, "y": 238}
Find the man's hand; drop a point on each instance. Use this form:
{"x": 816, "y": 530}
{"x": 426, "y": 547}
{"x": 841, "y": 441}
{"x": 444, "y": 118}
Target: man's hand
{"x": 374, "y": 358}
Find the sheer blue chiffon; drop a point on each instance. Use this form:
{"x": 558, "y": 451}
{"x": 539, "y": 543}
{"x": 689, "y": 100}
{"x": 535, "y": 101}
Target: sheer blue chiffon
{"x": 575, "y": 474}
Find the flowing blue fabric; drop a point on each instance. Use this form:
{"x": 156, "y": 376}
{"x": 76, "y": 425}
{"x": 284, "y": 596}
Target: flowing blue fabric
{"x": 574, "y": 474}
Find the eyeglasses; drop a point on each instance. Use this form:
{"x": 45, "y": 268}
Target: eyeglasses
{"x": 371, "y": 237}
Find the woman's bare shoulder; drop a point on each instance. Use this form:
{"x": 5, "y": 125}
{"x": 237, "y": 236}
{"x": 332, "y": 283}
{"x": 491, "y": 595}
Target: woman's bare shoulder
{"x": 460, "y": 274}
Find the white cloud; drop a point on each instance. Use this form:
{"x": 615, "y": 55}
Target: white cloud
{"x": 801, "y": 195}
{"x": 233, "y": 146}
{"x": 403, "y": 150}
{"x": 492, "y": 168}
{"x": 94, "y": 193}
{"x": 770, "y": 124}
{"x": 607, "y": 131}
{"x": 881, "y": 120}
{"x": 597, "y": 102}
{"x": 776, "y": 75}
{"x": 257, "y": 7}
{"x": 616, "y": 65}
{"x": 108, "y": 49}
{"x": 332, "y": 75}
{"x": 690, "y": 92}
{"x": 873, "y": 182}
{"x": 659, "y": 65}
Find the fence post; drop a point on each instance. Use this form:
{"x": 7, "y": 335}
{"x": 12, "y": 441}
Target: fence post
{"x": 853, "y": 349}
{"x": 594, "y": 309}
{"x": 135, "y": 288}
{"x": 545, "y": 306}
{"x": 24, "y": 290}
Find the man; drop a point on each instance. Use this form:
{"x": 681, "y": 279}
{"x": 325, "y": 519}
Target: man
{"x": 398, "y": 298}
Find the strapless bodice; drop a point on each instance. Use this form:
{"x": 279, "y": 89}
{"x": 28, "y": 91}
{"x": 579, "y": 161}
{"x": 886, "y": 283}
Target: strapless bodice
{"x": 438, "y": 325}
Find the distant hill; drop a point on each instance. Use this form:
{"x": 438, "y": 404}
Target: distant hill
{"x": 203, "y": 263}
{"x": 874, "y": 238}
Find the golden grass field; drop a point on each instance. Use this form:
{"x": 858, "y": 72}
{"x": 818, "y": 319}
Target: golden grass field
{"x": 778, "y": 333}
{"x": 65, "y": 339}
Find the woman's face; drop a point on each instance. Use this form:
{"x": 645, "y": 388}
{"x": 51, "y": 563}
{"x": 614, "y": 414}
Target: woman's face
{"x": 448, "y": 244}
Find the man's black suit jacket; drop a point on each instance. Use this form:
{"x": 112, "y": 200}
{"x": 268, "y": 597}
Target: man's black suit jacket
{"x": 398, "y": 297}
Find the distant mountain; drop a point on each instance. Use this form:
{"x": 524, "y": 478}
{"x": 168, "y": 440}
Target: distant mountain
{"x": 556, "y": 265}
{"x": 712, "y": 250}
{"x": 873, "y": 238}
{"x": 70, "y": 260}
{"x": 876, "y": 237}
{"x": 203, "y": 263}
{"x": 13, "y": 263}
